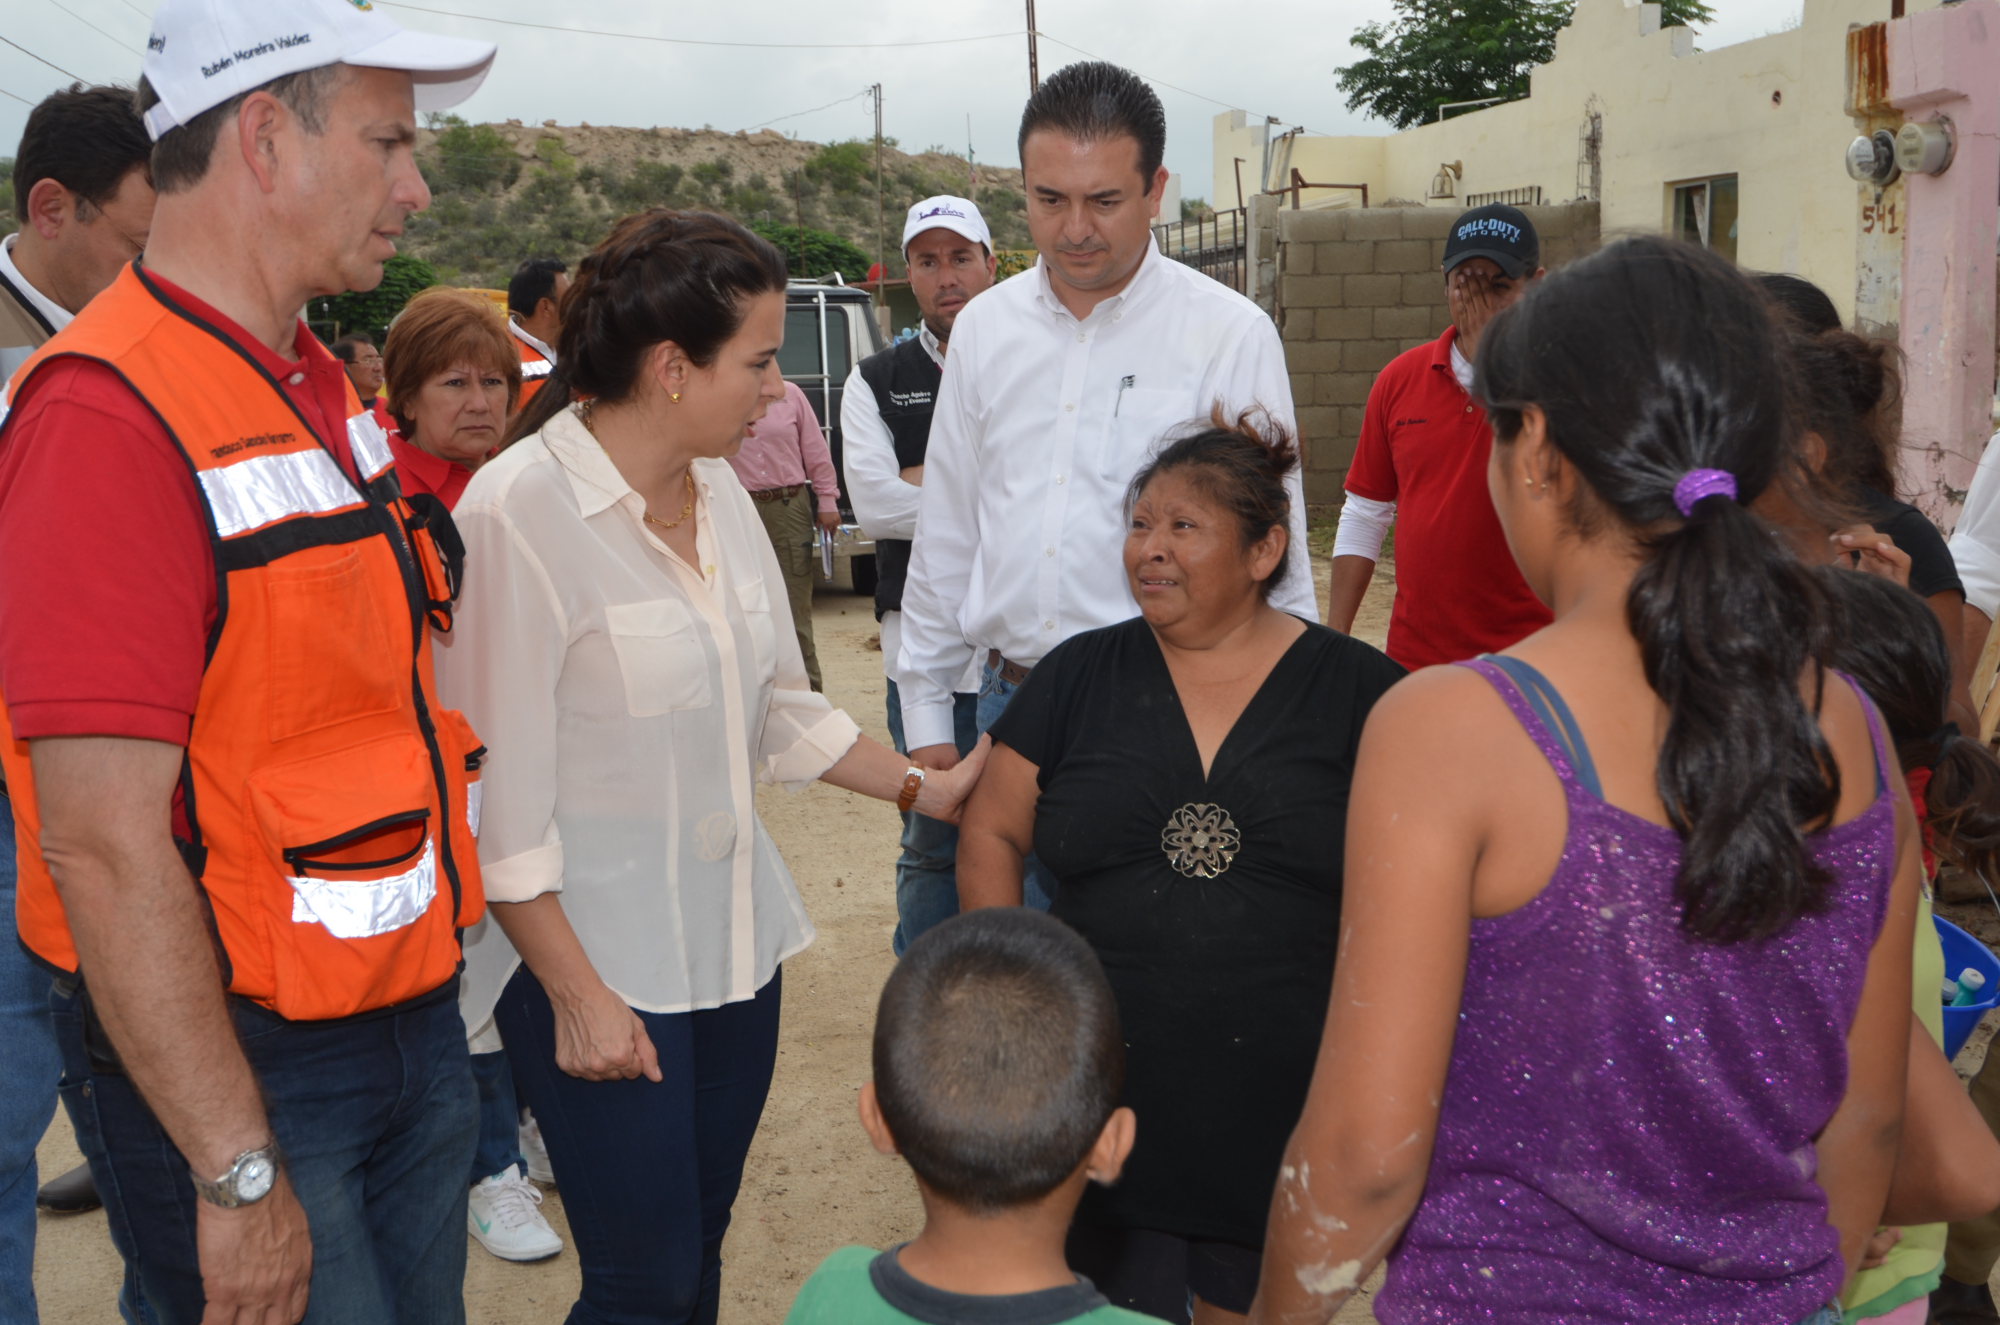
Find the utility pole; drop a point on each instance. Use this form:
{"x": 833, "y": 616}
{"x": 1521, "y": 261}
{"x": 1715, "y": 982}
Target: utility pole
{"x": 1034, "y": 68}
{"x": 881, "y": 251}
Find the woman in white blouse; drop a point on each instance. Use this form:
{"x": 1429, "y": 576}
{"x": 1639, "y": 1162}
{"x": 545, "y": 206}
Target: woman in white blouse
{"x": 624, "y": 648}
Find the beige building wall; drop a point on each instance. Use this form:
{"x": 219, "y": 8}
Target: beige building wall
{"x": 1771, "y": 112}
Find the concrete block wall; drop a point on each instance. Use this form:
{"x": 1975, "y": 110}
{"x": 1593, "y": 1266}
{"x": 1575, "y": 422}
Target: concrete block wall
{"x": 1358, "y": 286}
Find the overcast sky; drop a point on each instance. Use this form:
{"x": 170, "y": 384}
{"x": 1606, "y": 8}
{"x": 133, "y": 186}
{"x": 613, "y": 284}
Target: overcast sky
{"x": 931, "y": 83}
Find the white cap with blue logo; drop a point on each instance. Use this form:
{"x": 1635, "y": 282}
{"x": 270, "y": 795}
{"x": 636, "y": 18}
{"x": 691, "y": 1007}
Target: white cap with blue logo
{"x": 945, "y": 212}
{"x": 202, "y": 53}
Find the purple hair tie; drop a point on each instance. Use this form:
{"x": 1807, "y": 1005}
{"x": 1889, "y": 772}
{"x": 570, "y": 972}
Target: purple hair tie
{"x": 1697, "y": 484}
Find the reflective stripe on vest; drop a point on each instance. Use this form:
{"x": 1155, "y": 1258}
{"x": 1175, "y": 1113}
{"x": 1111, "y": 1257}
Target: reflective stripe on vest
{"x": 267, "y": 488}
{"x": 533, "y": 368}
{"x": 362, "y": 910}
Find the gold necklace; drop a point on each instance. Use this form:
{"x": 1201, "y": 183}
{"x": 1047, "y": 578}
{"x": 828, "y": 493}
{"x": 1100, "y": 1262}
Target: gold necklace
{"x": 583, "y": 412}
{"x": 686, "y": 510}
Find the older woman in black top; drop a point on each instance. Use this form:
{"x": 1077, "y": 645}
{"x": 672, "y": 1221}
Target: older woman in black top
{"x": 1185, "y": 777}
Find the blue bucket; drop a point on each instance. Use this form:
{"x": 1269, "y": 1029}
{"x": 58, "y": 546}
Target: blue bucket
{"x": 1960, "y": 951}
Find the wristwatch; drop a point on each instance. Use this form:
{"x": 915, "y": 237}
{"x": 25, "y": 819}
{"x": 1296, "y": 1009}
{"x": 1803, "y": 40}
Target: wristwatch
{"x": 248, "y": 1181}
{"x": 913, "y": 782}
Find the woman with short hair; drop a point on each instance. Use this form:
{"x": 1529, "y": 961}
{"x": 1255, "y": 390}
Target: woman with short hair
{"x": 1185, "y": 776}
{"x": 452, "y": 377}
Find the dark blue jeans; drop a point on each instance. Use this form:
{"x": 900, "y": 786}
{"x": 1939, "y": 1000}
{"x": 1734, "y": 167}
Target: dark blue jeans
{"x": 376, "y": 1118}
{"x": 499, "y": 1118}
{"x": 649, "y": 1170}
{"x": 927, "y": 871}
{"x": 29, "y": 1064}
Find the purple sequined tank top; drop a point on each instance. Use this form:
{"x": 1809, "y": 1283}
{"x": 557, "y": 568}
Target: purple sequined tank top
{"x": 1627, "y": 1129}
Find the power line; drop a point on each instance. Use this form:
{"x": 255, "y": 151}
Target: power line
{"x": 119, "y": 41}
{"x": 815, "y": 110}
{"x": 691, "y": 41}
{"x": 135, "y": 9}
{"x": 50, "y": 63}
{"x": 23, "y": 100}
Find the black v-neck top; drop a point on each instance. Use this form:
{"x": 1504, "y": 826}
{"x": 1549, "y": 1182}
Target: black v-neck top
{"x": 1213, "y": 902}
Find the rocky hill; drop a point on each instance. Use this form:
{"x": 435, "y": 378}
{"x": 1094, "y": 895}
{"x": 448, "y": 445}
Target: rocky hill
{"x": 507, "y": 191}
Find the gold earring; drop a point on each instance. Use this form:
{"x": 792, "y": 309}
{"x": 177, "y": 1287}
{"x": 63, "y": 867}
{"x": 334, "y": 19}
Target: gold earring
{"x": 675, "y": 397}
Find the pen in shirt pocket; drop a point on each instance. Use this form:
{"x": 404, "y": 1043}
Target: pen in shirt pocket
{"x": 1125, "y": 383}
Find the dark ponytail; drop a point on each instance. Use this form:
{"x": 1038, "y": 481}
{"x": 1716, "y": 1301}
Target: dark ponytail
{"x": 1649, "y": 360}
{"x": 659, "y": 275}
{"x": 1241, "y": 464}
{"x": 1889, "y": 641}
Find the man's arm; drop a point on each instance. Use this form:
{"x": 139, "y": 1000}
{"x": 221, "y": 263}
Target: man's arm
{"x": 935, "y": 652}
{"x": 818, "y": 461}
{"x": 885, "y": 504}
{"x": 144, "y": 945}
{"x": 1357, "y": 546}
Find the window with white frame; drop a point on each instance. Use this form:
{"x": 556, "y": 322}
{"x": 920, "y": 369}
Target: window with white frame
{"x": 1704, "y": 213}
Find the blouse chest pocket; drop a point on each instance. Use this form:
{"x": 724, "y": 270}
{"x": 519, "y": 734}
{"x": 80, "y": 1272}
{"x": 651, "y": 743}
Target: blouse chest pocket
{"x": 661, "y": 656}
{"x": 755, "y": 599}
{"x": 1142, "y": 418}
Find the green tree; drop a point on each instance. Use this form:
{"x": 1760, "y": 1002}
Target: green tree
{"x": 471, "y": 156}
{"x": 1436, "y": 52}
{"x": 403, "y": 277}
{"x": 811, "y": 252}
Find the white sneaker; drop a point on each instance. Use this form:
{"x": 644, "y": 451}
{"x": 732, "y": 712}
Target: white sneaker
{"x": 503, "y": 1214}
{"x": 534, "y": 1151}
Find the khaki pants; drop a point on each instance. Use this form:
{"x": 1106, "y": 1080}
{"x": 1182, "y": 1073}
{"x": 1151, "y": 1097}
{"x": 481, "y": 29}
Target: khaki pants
{"x": 790, "y": 525}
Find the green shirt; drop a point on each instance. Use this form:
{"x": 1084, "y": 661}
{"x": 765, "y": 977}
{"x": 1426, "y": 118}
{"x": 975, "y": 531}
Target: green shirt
{"x": 861, "y": 1286}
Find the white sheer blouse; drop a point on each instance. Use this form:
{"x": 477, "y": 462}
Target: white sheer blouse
{"x": 630, "y": 702}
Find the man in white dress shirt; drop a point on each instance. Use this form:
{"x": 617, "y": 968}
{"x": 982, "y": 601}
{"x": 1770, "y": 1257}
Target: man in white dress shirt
{"x": 1060, "y": 384}
{"x": 885, "y": 417}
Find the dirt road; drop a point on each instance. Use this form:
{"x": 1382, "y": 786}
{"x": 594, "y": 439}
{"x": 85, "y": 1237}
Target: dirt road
{"x": 812, "y": 1184}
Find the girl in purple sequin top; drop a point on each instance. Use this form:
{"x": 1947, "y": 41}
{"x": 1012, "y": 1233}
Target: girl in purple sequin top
{"x": 1620, "y": 1016}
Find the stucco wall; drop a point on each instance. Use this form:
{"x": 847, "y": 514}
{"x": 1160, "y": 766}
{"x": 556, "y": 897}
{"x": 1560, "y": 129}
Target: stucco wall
{"x": 1772, "y": 112}
{"x": 1355, "y": 288}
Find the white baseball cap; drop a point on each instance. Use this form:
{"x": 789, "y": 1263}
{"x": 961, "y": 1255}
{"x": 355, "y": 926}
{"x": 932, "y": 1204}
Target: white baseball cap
{"x": 945, "y": 212}
{"x": 202, "y": 53}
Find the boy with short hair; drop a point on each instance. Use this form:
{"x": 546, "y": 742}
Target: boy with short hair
{"x": 998, "y": 1065}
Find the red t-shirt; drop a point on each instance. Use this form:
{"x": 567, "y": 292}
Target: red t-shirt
{"x": 1424, "y": 446}
{"x": 417, "y": 470}
{"x": 108, "y": 592}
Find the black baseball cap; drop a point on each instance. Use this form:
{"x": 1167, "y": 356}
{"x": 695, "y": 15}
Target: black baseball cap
{"x": 1497, "y": 232}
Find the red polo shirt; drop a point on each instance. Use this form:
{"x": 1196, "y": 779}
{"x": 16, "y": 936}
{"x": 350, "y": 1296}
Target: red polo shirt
{"x": 417, "y": 470}
{"x": 1424, "y": 446}
{"x": 108, "y": 593}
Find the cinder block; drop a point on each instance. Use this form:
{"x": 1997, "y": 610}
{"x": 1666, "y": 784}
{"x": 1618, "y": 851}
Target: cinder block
{"x": 1313, "y": 356}
{"x": 1371, "y": 291}
{"x": 1367, "y": 356}
{"x": 1397, "y": 323}
{"x": 1345, "y": 324}
{"x": 1323, "y": 487}
{"x": 1336, "y": 453}
{"x": 1317, "y": 420}
{"x": 1422, "y": 289}
{"x": 1312, "y": 227}
{"x": 1437, "y": 254}
{"x": 1311, "y": 291}
{"x": 1298, "y": 260}
{"x": 1295, "y": 324}
{"x": 1344, "y": 257}
{"x": 1375, "y": 223}
{"x": 1551, "y": 222}
{"x": 1403, "y": 255}
{"x": 1342, "y": 388}
{"x": 1415, "y": 341}
{"x": 1440, "y": 320}
{"x": 1351, "y": 417}
{"x": 1429, "y": 222}
{"x": 1302, "y": 385}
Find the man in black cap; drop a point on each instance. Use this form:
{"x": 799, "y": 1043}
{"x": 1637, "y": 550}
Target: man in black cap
{"x": 1422, "y": 459}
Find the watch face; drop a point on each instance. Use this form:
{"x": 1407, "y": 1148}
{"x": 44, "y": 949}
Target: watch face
{"x": 254, "y": 1178}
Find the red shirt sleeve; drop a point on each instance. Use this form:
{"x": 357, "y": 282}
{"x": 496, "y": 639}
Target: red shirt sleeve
{"x": 108, "y": 590}
{"x": 1373, "y": 472}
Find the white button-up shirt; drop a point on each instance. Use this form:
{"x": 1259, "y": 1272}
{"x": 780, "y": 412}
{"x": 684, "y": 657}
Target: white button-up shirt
{"x": 58, "y": 317}
{"x": 1975, "y": 542}
{"x": 630, "y": 702}
{"x": 1042, "y": 421}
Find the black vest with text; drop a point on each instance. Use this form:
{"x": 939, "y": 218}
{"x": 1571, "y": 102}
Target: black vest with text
{"x": 905, "y": 381}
